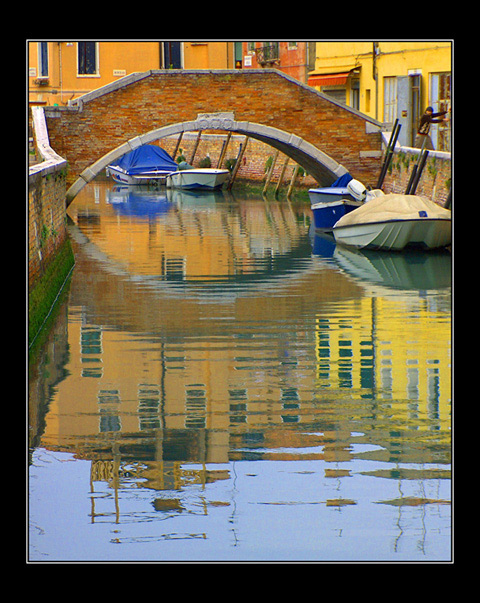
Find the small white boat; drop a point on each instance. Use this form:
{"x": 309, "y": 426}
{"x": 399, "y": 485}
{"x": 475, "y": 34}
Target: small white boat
{"x": 198, "y": 178}
{"x": 393, "y": 222}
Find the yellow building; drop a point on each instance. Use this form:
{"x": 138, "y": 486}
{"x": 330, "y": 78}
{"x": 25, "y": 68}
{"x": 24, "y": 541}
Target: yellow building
{"x": 61, "y": 71}
{"x": 389, "y": 80}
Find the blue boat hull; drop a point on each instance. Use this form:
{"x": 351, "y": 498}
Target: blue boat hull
{"x": 329, "y": 205}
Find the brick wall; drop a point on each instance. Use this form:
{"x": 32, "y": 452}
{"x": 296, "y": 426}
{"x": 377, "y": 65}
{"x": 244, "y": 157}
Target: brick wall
{"x": 436, "y": 178}
{"x": 257, "y": 157}
{"x": 46, "y": 215}
{"x": 85, "y": 133}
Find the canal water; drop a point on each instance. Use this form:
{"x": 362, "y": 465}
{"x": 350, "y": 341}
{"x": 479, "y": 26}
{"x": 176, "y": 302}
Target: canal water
{"x": 220, "y": 384}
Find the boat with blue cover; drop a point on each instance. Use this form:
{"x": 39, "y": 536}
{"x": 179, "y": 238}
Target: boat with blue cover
{"x": 148, "y": 164}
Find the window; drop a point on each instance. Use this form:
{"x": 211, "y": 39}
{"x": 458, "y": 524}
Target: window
{"x": 390, "y": 99}
{"x": 440, "y": 99}
{"x": 338, "y": 93}
{"x": 87, "y": 58}
{"x": 43, "y": 59}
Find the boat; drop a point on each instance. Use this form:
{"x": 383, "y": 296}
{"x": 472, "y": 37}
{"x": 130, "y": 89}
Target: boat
{"x": 148, "y": 164}
{"x": 198, "y": 178}
{"x": 331, "y": 203}
{"x": 394, "y": 222}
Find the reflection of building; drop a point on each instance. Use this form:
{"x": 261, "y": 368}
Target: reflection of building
{"x": 156, "y": 376}
{"x": 364, "y": 349}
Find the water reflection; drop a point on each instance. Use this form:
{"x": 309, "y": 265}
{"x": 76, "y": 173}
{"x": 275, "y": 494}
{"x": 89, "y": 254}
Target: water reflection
{"x": 222, "y": 368}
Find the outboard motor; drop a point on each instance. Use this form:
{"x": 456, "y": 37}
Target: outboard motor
{"x": 357, "y": 190}
{"x": 360, "y": 193}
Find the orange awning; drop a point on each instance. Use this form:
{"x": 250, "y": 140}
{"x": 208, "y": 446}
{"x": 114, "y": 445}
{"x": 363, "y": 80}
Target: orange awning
{"x": 328, "y": 79}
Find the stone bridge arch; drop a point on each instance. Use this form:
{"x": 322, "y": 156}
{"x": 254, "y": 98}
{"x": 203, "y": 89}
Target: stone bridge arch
{"x": 317, "y": 163}
{"x": 322, "y": 135}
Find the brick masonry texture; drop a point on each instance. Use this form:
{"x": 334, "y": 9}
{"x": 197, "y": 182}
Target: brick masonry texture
{"x": 109, "y": 120}
{"x": 46, "y": 215}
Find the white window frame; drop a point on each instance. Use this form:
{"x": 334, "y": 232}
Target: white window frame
{"x": 390, "y": 98}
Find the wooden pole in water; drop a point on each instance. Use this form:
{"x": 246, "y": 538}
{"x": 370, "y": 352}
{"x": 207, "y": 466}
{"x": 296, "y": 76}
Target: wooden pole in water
{"x": 287, "y": 159}
{"x": 224, "y": 150}
{"x": 389, "y": 153}
{"x": 195, "y": 147}
{"x": 179, "y": 140}
{"x": 237, "y": 163}
{"x": 421, "y": 165}
{"x": 270, "y": 172}
{"x": 292, "y": 182}
{"x": 413, "y": 174}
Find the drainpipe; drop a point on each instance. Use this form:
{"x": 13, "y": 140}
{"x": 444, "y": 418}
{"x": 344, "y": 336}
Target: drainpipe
{"x": 375, "y": 52}
{"x": 60, "y": 70}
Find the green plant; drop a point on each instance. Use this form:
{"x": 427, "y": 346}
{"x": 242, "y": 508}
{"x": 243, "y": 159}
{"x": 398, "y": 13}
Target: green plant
{"x": 44, "y": 234}
{"x": 268, "y": 164}
{"x": 432, "y": 167}
{"x": 181, "y": 157}
{"x": 205, "y": 162}
{"x": 230, "y": 163}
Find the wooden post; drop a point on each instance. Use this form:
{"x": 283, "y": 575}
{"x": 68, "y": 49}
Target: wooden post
{"x": 195, "y": 147}
{"x": 237, "y": 164}
{"x": 287, "y": 159}
{"x": 224, "y": 150}
{"x": 270, "y": 172}
{"x": 179, "y": 140}
{"x": 292, "y": 182}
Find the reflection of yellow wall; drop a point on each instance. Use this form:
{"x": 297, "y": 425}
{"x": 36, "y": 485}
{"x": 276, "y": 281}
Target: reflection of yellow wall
{"x": 142, "y": 362}
{"x": 413, "y": 359}
{"x": 368, "y": 348}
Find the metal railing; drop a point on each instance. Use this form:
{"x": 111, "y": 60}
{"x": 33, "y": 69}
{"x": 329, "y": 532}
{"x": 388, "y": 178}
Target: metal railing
{"x": 267, "y": 54}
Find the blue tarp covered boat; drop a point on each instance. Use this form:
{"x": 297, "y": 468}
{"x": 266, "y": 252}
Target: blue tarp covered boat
{"x": 148, "y": 163}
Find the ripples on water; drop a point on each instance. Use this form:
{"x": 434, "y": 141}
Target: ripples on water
{"x": 221, "y": 384}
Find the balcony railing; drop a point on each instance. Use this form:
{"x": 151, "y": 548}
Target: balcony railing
{"x": 267, "y": 54}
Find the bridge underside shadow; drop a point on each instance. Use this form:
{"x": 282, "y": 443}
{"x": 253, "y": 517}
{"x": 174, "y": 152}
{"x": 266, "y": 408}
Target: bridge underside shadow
{"x": 317, "y": 163}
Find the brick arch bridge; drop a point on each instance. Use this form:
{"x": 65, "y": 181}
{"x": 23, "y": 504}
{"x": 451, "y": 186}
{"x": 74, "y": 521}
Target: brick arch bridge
{"x": 323, "y": 136}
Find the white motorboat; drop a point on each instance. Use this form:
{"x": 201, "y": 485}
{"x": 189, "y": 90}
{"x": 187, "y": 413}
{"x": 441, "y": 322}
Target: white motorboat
{"x": 198, "y": 178}
{"x": 393, "y": 222}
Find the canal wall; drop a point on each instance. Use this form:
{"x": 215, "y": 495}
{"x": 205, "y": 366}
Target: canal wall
{"x": 434, "y": 184}
{"x": 50, "y": 256}
{"x": 436, "y": 178}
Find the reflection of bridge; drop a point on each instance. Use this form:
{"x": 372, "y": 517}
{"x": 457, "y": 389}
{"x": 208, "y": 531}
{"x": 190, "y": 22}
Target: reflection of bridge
{"x": 323, "y": 136}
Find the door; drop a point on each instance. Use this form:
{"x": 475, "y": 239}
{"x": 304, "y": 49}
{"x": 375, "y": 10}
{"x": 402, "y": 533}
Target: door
{"x": 404, "y": 112}
{"x": 409, "y": 97}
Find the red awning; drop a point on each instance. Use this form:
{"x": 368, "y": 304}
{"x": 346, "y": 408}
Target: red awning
{"x": 328, "y": 79}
